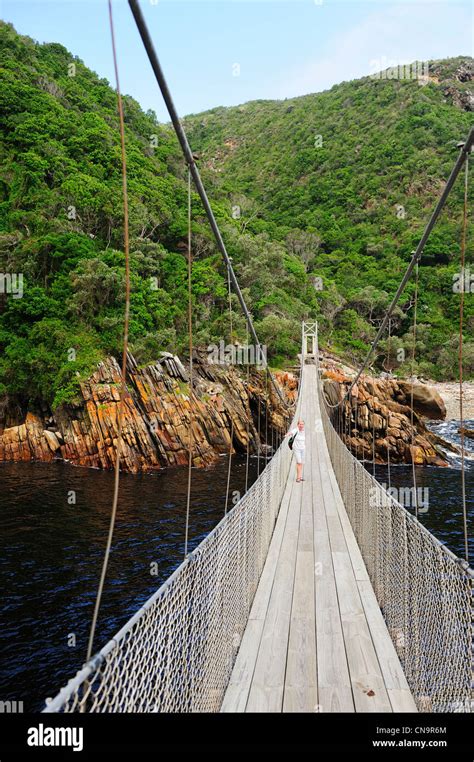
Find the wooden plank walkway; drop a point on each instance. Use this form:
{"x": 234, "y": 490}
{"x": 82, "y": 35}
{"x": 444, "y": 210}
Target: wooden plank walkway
{"x": 316, "y": 640}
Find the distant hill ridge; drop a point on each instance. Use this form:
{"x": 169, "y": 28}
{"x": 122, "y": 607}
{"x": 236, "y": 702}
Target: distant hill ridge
{"x": 320, "y": 198}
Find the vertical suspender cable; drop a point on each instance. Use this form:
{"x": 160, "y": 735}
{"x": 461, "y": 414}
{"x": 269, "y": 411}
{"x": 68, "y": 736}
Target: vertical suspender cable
{"x": 356, "y": 422}
{"x": 229, "y": 467}
{"x": 388, "y": 441}
{"x": 373, "y": 430}
{"x": 346, "y": 417}
{"x": 461, "y": 385}
{"x": 231, "y": 418}
{"x": 247, "y": 459}
{"x": 413, "y": 354}
{"x": 191, "y": 385}
{"x": 259, "y": 439}
{"x": 266, "y": 413}
{"x": 124, "y": 352}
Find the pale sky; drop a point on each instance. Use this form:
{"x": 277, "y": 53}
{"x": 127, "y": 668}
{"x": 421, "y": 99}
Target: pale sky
{"x": 226, "y": 52}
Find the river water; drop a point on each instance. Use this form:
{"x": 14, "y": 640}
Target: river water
{"x": 52, "y": 548}
{"x": 438, "y": 490}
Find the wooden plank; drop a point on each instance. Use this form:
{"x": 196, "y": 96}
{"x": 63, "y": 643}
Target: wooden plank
{"x": 319, "y": 515}
{"x": 370, "y": 693}
{"x": 391, "y": 669}
{"x": 300, "y": 693}
{"x": 358, "y": 564}
{"x": 394, "y": 677}
{"x": 301, "y": 690}
{"x": 262, "y": 596}
{"x": 334, "y": 685}
{"x": 236, "y": 696}
{"x": 266, "y": 690}
{"x": 335, "y": 531}
{"x": 303, "y": 595}
{"x": 316, "y": 639}
{"x": 365, "y": 672}
{"x": 305, "y": 539}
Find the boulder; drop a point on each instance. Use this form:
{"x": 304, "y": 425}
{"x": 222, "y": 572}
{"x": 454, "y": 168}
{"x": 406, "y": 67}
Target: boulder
{"x": 332, "y": 391}
{"x": 52, "y": 440}
{"x": 426, "y": 400}
{"x": 383, "y": 407}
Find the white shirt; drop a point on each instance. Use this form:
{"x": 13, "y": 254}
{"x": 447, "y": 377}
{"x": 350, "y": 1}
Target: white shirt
{"x": 299, "y": 440}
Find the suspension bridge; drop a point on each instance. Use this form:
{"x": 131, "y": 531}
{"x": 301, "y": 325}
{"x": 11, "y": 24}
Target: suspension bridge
{"x": 315, "y": 639}
{"x": 324, "y": 595}
{"x": 311, "y": 597}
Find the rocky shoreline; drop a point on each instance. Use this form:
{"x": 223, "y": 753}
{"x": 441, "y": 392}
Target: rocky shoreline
{"x": 378, "y": 422}
{"x": 225, "y": 403}
{"x": 449, "y": 392}
{"x": 159, "y": 410}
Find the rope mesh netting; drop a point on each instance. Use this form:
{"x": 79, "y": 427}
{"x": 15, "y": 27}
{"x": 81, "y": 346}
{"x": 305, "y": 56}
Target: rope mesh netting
{"x": 424, "y": 591}
{"x": 177, "y": 652}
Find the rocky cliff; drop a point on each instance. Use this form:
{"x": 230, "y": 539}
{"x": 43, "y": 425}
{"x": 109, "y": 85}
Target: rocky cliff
{"x": 159, "y": 409}
{"x": 377, "y": 419}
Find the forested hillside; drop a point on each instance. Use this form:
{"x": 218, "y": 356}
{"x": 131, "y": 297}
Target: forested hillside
{"x": 314, "y": 229}
{"x": 346, "y": 179}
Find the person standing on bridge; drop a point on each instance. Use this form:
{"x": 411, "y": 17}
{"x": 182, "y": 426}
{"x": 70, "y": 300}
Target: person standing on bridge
{"x": 298, "y": 447}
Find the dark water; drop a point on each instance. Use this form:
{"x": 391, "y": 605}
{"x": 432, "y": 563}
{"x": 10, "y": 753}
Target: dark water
{"x": 51, "y": 551}
{"x": 439, "y": 490}
{"x": 51, "y": 554}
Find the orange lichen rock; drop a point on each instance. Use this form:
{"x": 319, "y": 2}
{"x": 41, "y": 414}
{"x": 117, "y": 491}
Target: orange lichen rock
{"x": 159, "y": 410}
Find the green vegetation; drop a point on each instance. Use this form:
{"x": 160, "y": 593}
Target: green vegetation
{"x": 306, "y": 213}
{"x": 346, "y": 180}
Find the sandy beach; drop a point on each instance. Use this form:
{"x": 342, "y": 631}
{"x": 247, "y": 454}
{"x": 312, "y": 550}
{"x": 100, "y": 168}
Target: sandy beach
{"x": 449, "y": 391}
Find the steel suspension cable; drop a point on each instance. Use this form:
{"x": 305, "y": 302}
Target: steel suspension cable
{"x": 463, "y": 155}
{"x": 189, "y": 156}
{"x": 231, "y": 330}
{"x": 123, "y": 388}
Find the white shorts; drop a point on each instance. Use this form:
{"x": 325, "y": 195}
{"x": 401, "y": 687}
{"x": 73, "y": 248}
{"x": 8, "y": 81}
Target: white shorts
{"x": 299, "y": 455}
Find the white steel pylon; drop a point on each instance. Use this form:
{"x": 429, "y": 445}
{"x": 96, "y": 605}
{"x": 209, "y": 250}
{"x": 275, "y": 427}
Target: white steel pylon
{"x": 309, "y": 331}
